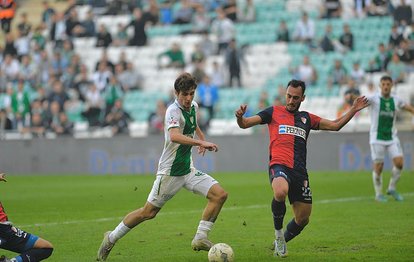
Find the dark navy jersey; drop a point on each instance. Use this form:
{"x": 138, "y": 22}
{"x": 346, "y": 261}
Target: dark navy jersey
{"x": 288, "y": 135}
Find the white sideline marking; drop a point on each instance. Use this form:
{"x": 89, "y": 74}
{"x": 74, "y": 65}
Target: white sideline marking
{"x": 105, "y": 219}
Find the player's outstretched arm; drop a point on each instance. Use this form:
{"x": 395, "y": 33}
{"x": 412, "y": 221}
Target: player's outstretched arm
{"x": 177, "y": 137}
{"x": 336, "y": 125}
{"x": 3, "y": 177}
{"x": 246, "y": 122}
{"x": 409, "y": 108}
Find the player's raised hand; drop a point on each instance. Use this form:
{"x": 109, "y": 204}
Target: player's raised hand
{"x": 3, "y": 177}
{"x": 241, "y": 111}
{"x": 360, "y": 103}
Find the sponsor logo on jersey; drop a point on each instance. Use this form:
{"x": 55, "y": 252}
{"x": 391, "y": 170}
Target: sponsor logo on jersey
{"x": 303, "y": 119}
{"x": 292, "y": 130}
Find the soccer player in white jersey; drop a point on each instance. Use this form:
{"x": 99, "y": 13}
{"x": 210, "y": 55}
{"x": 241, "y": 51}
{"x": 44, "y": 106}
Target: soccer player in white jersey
{"x": 176, "y": 171}
{"x": 383, "y": 137}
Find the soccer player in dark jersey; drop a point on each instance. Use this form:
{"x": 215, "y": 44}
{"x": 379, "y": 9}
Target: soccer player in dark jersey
{"x": 30, "y": 247}
{"x": 288, "y": 130}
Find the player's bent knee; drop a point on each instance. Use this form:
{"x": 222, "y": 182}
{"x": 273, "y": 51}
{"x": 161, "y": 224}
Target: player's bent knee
{"x": 302, "y": 221}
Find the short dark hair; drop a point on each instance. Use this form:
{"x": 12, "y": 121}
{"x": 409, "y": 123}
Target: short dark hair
{"x": 297, "y": 83}
{"x": 185, "y": 82}
{"x": 386, "y": 78}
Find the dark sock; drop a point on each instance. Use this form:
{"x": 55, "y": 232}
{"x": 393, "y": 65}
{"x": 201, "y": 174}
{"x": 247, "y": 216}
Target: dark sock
{"x": 36, "y": 254}
{"x": 279, "y": 211}
{"x": 292, "y": 230}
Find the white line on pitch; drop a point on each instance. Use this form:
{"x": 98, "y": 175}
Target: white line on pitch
{"x": 105, "y": 219}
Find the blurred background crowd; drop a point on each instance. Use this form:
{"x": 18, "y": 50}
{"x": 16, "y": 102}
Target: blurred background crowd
{"x": 68, "y": 66}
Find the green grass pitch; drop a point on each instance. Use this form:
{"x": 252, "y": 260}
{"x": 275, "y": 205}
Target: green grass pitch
{"x": 346, "y": 223}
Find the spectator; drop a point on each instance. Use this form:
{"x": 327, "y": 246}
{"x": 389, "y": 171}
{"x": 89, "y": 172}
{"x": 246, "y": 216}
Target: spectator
{"x": 326, "y": 43}
{"x": 104, "y": 59}
{"x": 24, "y": 27}
{"x": 52, "y": 115}
{"x": 223, "y": 28}
{"x": 357, "y": 73}
{"x": 282, "y": 32}
{"x": 10, "y": 68}
{"x": 64, "y": 126}
{"x": 103, "y": 37}
{"x": 58, "y": 30}
{"x": 234, "y": 59}
{"x": 396, "y": 69}
{"x": 197, "y": 56}
{"x": 347, "y": 38}
{"x": 338, "y": 75}
{"x": 129, "y": 78}
{"x": 247, "y": 13}
{"x": 47, "y": 14}
{"x": 94, "y": 104}
{"x": 208, "y": 97}
{"x": 58, "y": 94}
{"x": 406, "y": 55}
{"x": 7, "y": 12}
{"x": 58, "y": 64}
{"x": 138, "y": 23}
{"x": 230, "y": 9}
{"x": 200, "y": 21}
{"x": 117, "y": 118}
{"x": 22, "y": 44}
{"x": 395, "y": 38}
{"x": 360, "y": 8}
{"x": 5, "y": 122}
{"x": 89, "y": 27}
{"x": 332, "y": 9}
{"x": 101, "y": 77}
{"x": 10, "y": 48}
{"x": 174, "y": 57}
{"x": 380, "y": 61}
{"x": 151, "y": 14}
{"x": 38, "y": 38}
{"x": 350, "y": 94}
{"x": 156, "y": 119}
{"x": 20, "y": 104}
{"x": 183, "y": 12}
{"x": 113, "y": 92}
{"x": 304, "y": 30}
{"x": 377, "y": 7}
{"x": 207, "y": 45}
{"x": 28, "y": 70}
{"x": 121, "y": 36}
{"x": 36, "y": 127}
{"x": 74, "y": 27}
{"x": 216, "y": 75}
{"x": 306, "y": 72}
{"x": 403, "y": 14}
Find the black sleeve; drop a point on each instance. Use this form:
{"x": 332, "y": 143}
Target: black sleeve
{"x": 266, "y": 115}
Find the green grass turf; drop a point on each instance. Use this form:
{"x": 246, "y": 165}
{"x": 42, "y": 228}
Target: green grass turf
{"x": 73, "y": 212}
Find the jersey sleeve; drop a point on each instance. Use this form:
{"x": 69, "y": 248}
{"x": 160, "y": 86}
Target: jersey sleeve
{"x": 266, "y": 115}
{"x": 314, "y": 119}
{"x": 172, "y": 118}
{"x": 400, "y": 103}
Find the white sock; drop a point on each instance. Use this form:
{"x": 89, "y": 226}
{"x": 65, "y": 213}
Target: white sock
{"x": 395, "y": 176}
{"x": 377, "y": 179}
{"x": 203, "y": 228}
{"x": 120, "y": 231}
{"x": 279, "y": 233}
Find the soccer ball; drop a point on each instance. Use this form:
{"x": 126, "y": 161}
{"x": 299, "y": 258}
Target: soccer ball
{"x": 221, "y": 252}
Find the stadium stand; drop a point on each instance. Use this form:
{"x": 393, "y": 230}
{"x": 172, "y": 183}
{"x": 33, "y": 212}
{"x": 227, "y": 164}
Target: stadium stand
{"x": 267, "y": 64}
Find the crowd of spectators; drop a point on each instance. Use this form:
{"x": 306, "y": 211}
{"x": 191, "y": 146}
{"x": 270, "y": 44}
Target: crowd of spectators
{"x": 43, "y": 80}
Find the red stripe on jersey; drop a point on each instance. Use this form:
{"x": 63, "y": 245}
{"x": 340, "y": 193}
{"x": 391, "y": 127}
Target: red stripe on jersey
{"x": 3, "y": 216}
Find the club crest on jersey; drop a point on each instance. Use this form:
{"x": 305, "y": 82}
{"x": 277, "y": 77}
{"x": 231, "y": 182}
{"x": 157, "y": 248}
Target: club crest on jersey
{"x": 173, "y": 121}
{"x": 303, "y": 119}
{"x": 292, "y": 130}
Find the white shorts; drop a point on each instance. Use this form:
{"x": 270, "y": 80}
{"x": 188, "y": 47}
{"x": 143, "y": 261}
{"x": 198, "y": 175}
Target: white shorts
{"x": 165, "y": 187}
{"x": 378, "y": 151}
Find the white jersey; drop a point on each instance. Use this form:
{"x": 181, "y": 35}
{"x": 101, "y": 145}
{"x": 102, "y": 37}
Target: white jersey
{"x": 383, "y": 115}
{"x": 176, "y": 159}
